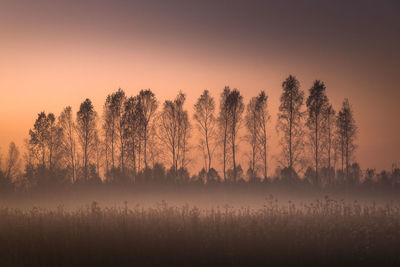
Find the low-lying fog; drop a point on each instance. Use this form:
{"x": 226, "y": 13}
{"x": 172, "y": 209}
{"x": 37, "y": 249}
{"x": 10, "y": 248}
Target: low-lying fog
{"x": 203, "y": 198}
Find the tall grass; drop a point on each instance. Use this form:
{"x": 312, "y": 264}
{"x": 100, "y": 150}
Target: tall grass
{"x": 324, "y": 233}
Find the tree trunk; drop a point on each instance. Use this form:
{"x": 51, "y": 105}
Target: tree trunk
{"x": 145, "y": 145}
{"x": 265, "y": 149}
{"x": 316, "y": 150}
{"x": 208, "y": 150}
{"x": 112, "y": 144}
{"x": 225, "y": 141}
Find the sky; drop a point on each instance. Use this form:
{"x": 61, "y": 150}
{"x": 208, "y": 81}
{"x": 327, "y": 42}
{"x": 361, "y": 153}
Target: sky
{"x": 56, "y": 53}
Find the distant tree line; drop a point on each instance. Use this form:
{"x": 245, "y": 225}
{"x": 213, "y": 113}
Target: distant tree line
{"x": 136, "y": 140}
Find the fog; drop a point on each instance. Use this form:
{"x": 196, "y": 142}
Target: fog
{"x": 204, "y": 198}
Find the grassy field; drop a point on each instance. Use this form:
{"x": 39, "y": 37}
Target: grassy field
{"x": 320, "y": 233}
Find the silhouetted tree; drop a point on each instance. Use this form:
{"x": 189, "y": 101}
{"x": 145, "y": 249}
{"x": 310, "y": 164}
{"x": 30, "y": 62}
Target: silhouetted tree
{"x": 395, "y": 176}
{"x": 12, "y": 163}
{"x": 174, "y": 130}
{"x": 113, "y": 125}
{"x": 346, "y": 132}
{"x": 133, "y": 117}
{"x": 68, "y": 143}
{"x": 159, "y": 173}
{"x": 86, "y": 131}
{"x": 223, "y": 122}
{"x": 310, "y": 176}
{"x": 149, "y": 105}
{"x": 355, "y": 174}
{"x": 4, "y": 182}
{"x": 98, "y": 152}
{"x": 369, "y": 177}
{"x": 38, "y": 137}
{"x": 257, "y": 118}
{"x": 252, "y": 120}
{"x": 317, "y": 103}
{"x": 235, "y": 108}
{"x": 290, "y": 119}
{"x": 54, "y": 143}
{"x": 213, "y": 177}
{"x": 329, "y": 118}
{"x": 169, "y": 130}
{"x": 45, "y": 140}
{"x": 262, "y": 101}
{"x": 183, "y": 132}
{"x": 204, "y": 115}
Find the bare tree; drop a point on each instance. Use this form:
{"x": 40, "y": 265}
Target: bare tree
{"x": 168, "y": 130}
{"x": 235, "y": 107}
{"x": 108, "y": 137}
{"x": 45, "y": 139}
{"x": 175, "y": 130}
{"x": 98, "y": 155}
{"x": 154, "y": 146}
{"x": 132, "y": 117}
{"x": 13, "y": 164}
{"x": 262, "y": 101}
{"x": 329, "y": 117}
{"x": 54, "y": 142}
{"x": 38, "y": 136}
{"x": 317, "y": 103}
{"x": 149, "y": 105}
{"x": 346, "y": 131}
{"x": 86, "y": 131}
{"x": 204, "y": 115}
{"x": 289, "y": 123}
{"x": 252, "y": 124}
{"x": 257, "y": 118}
{"x": 113, "y": 125}
{"x": 68, "y": 143}
{"x": 223, "y": 122}
{"x": 184, "y": 128}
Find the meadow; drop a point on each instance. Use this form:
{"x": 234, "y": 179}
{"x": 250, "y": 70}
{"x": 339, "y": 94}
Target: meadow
{"x": 322, "y": 231}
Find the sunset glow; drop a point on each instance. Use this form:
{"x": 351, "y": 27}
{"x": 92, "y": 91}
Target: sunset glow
{"x": 55, "y": 54}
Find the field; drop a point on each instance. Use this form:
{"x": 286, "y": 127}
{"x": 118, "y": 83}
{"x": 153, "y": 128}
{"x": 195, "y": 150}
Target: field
{"x": 256, "y": 229}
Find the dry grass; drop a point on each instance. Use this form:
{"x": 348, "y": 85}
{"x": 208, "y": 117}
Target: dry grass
{"x": 324, "y": 233}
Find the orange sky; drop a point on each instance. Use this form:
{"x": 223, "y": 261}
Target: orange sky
{"x": 56, "y": 54}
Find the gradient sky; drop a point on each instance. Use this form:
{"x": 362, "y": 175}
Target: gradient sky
{"x": 56, "y": 53}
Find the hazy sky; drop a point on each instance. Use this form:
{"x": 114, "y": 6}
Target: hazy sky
{"x": 56, "y": 53}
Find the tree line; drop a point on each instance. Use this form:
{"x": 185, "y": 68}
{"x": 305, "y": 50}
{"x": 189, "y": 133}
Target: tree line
{"x": 135, "y": 137}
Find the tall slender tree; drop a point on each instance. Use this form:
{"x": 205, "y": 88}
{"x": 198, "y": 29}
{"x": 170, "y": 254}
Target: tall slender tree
{"x": 113, "y": 125}
{"x": 13, "y": 163}
{"x": 329, "y": 117}
{"x": 68, "y": 143}
{"x": 45, "y": 138}
{"x": 290, "y": 119}
{"x": 262, "y": 101}
{"x": 223, "y": 122}
{"x": 347, "y": 132}
{"x": 184, "y": 128}
{"x": 174, "y": 130}
{"x": 133, "y": 117}
{"x": 149, "y": 105}
{"x": 257, "y": 118}
{"x": 204, "y": 115}
{"x": 235, "y": 107}
{"x": 317, "y": 103}
{"x": 53, "y": 141}
{"x": 86, "y": 130}
{"x": 38, "y": 136}
{"x": 168, "y": 130}
{"x": 252, "y": 124}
